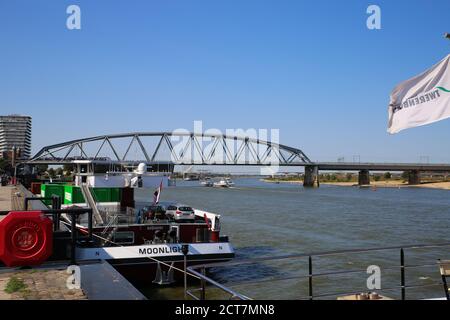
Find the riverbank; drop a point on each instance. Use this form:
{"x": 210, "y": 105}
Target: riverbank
{"x": 378, "y": 184}
{"x": 444, "y": 185}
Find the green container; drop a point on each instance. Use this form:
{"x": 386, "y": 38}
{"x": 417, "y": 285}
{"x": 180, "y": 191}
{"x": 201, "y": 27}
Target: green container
{"x": 73, "y": 194}
{"x": 115, "y": 194}
{"x": 106, "y": 194}
{"x": 49, "y": 190}
{"x": 101, "y": 194}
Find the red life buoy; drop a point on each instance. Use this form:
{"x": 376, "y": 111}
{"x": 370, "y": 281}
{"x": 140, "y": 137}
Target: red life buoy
{"x": 26, "y": 238}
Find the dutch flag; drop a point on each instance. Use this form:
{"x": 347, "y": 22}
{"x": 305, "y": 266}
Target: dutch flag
{"x": 157, "y": 193}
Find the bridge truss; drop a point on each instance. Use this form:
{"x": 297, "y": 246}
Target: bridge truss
{"x": 178, "y": 148}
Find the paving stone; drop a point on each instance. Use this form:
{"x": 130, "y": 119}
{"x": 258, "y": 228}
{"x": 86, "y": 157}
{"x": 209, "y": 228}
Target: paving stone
{"x": 47, "y": 285}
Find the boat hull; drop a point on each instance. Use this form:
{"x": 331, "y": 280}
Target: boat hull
{"x": 139, "y": 264}
{"x": 142, "y": 272}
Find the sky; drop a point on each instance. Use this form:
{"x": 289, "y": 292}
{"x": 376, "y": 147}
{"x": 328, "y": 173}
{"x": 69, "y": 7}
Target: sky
{"x": 311, "y": 69}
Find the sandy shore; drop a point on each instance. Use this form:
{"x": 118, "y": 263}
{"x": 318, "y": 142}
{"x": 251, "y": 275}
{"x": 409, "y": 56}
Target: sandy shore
{"x": 282, "y": 181}
{"x": 380, "y": 184}
{"x": 435, "y": 185}
{"x": 396, "y": 184}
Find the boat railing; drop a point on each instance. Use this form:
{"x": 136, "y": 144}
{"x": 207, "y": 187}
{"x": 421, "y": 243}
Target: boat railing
{"x": 204, "y": 280}
{"x": 111, "y": 222}
{"x": 402, "y": 268}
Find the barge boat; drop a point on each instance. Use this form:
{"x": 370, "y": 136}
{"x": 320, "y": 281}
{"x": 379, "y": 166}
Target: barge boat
{"x": 143, "y": 242}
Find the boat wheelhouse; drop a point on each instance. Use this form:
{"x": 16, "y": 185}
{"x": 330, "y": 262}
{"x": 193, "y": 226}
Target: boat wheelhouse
{"x": 103, "y": 173}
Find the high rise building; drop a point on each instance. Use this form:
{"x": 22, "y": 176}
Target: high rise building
{"x": 15, "y": 132}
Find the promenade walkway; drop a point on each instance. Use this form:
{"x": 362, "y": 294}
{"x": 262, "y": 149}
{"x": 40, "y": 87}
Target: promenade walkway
{"x": 38, "y": 284}
{"x": 5, "y": 198}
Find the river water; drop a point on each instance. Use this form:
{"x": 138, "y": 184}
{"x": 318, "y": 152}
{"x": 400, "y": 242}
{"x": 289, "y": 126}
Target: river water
{"x": 265, "y": 219}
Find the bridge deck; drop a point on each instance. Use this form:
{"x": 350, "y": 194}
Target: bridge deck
{"x": 436, "y": 167}
{"x": 343, "y": 166}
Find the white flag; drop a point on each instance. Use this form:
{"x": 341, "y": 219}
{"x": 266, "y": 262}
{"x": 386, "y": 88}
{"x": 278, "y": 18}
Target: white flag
{"x": 421, "y": 100}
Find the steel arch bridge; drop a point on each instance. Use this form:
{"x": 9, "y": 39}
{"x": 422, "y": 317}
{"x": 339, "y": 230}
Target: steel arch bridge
{"x": 177, "y": 148}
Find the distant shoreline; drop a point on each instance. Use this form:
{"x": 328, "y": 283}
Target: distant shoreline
{"x": 445, "y": 185}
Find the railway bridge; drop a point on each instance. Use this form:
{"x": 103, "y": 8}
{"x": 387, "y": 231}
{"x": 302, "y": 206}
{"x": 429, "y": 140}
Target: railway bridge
{"x": 164, "y": 150}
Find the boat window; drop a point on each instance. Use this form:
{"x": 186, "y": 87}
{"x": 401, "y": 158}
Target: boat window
{"x": 124, "y": 237}
{"x": 202, "y": 235}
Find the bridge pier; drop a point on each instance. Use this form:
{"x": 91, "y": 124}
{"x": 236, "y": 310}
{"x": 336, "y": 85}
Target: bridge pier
{"x": 311, "y": 178}
{"x": 413, "y": 177}
{"x": 363, "y": 177}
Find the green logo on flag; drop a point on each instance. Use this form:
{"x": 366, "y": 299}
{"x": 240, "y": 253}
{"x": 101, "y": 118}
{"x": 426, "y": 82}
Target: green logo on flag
{"x": 443, "y": 89}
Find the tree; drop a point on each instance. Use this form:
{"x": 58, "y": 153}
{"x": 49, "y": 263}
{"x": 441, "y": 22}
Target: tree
{"x": 41, "y": 168}
{"x": 68, "y": 168}
{"x": 405, "y": 175}
{"x": 349, "y": 176}
{"x": 387, "y": 175}
{"x": 51, "y": 173}
{"x": 59, "y": 171}
{"x": 5, "y": 166}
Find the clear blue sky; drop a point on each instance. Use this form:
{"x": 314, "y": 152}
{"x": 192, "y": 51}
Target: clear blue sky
{"x": 310, "y": 68}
